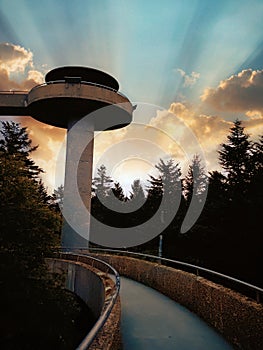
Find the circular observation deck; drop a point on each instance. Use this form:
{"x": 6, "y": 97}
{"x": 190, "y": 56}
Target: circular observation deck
{"x": 70, "y": 93}
{"x": 85, "y": 74}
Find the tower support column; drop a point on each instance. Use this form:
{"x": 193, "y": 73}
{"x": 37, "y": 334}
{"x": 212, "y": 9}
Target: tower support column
{"x": 78, "y": 182}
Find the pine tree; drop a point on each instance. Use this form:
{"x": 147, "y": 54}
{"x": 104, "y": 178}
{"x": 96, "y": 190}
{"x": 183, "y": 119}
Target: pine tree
{"x": 235, "y": 157}
{"x": 195, "y": 182}
{"x": 258, "y": 155}
{"x": 102, "y": 183}
{"x": 115, "y": 198}
{"x": 16, "y": 143}
{"x": 57, "y": 198}
{"x": 28, "y": 225}
{"x": 155, "y": 189}
{"x": 137, "y": 191}
{"x": 118, "y": 192}
{"x": 165, "y": 190}
{"x": 168, "y": 183}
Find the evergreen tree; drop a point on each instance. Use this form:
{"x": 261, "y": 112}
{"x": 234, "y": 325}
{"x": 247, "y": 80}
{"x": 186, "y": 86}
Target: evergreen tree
{"x": 155, "y": 189}
{"x": 118, "y": 192}
{"x": 28, "y": 227}
{"x": 115, "y": 199}
{"x": 235, "y": 157}
{"x": 165, "y": 190}
{"x": 168, "y": 183}
{"x": 28, "y": 224}
{"x": 102, "y": 183}
{"x": 257, "y": 157}
{"x": 15, "y": 142}
{"x": 195, "y": 182}
{"x": 57, "y": 198}
{"x": 170, "y": 174}
{"x": 137, "y": 191}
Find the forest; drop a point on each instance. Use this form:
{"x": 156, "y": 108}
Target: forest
{"x": 227, "y": 237}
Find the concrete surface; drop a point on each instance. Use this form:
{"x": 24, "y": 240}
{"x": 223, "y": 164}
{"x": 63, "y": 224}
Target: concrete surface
{"x": 153, "y": 321}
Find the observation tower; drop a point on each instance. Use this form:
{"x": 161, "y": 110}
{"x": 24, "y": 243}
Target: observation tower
{"x": 82, "y": 100}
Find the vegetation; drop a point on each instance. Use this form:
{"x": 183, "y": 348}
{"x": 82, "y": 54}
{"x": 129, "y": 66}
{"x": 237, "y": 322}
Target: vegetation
{"x": 227, "y": 236}
{"x": 36, "y": 313}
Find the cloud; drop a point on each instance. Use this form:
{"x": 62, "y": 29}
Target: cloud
{"x": 189, "y": 80}
{"x": 14, "y": 58}
{"x": 188, "y": 126}
{"x": 50, "y": 140}
{"x": 239, "y": 93}
{"x": 17, "y": 68}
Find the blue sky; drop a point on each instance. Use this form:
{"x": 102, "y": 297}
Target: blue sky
{"x": 142, "y": 43}
{"x": 166, "y": 53}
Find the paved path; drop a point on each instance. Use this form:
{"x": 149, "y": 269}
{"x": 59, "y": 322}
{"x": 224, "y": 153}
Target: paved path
{"x": 152, "y": 321}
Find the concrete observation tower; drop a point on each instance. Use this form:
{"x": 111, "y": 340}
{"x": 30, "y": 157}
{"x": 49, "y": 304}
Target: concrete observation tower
{"x": 82, "y": 100}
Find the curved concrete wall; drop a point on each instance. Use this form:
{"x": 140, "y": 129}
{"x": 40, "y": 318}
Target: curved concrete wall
{"x": 82, "y": 280}
{"x": 92, "y": 286}
{"x": 85, "y": 91}
{"x": 238, "y": 318}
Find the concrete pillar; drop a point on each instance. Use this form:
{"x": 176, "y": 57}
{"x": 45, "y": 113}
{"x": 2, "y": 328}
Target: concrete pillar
{"x": 78, "y": 178}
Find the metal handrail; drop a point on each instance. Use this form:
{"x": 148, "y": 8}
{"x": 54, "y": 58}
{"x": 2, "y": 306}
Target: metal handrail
{"x": 83, "y": 82}
{"x": 8, "y": 92}
{"x": 87, "y": 341}
{"x": 64, "y": 82}
{"x": 197, "y": 269}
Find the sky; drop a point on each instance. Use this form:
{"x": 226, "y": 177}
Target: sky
{"x": 191, "y": 66}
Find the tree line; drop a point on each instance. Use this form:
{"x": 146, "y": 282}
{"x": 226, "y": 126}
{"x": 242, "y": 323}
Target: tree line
{"x": 227, "y": 236}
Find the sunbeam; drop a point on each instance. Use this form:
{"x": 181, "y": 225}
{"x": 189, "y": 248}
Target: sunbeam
{"x": 165, "y": 54}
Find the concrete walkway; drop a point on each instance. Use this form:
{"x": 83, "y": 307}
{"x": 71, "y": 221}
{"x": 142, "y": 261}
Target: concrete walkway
{"x": 153, "y": 321}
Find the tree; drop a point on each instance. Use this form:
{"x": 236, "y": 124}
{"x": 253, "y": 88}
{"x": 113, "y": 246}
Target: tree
{"x": 235, "y": 157}
{"x": 27, "y": 223}
{"x": 137, "y": 191}
{"x": 118, "y": 192}
{"x": 195, "y": 182}
{"x": 57, "y": 198}
{"x": 168, "y": 183}
{"x": 165, "y": 190}
{"x": 257, "y": 156}
{"x": 102, "y": 183}
{"x": 28, "y": 227}
{"x": 16, "y": 143}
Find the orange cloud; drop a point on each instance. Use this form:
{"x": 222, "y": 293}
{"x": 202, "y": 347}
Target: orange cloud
{"x": 17, "y": 69}
{"x": 208, "y": 131}
{"x": 14, "y": 58}
{"x": 239, "y": 93}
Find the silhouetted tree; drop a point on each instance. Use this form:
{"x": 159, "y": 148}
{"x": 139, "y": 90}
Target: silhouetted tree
{"x": 235, "y": 157}
{"x": 195, "y": 182}
{"x": 118, "y": 192}
{"x": 165, "y": 190}
{"x": 15, "y": 142}
{"x": 103, "y": 182}
{"x": 257, "y": 157}
{"x": 57, "y": 198}
{"x": 137, "y": 191}
{"x": 28, "y": 227}
{"x": 167, "y": 184}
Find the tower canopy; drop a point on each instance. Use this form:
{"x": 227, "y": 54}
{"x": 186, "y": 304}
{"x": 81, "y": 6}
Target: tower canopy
{"x": 90, "y": 75}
